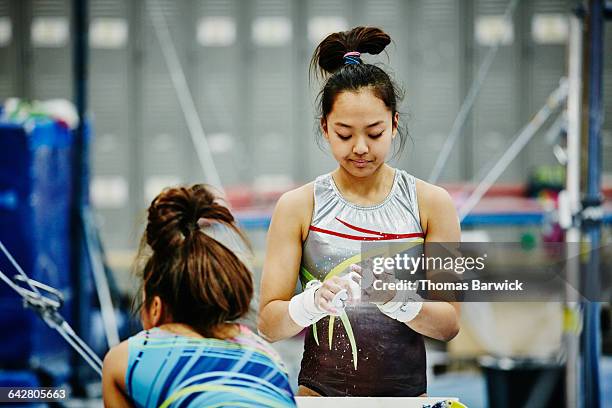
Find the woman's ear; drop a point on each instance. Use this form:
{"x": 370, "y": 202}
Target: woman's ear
{"x": 395, "y": 124}
{"x": 153, "y": 315}
{"x": 324, "y": 128}
{"x": 157, "y": 311}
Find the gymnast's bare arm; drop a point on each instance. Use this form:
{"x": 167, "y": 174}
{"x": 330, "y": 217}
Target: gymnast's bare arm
{"x": 113, "y": 377}
{"x": 288, "y": 229}
{"x": 439, "y": 220}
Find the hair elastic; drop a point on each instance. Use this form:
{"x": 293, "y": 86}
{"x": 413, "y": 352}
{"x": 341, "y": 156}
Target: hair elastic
{"x": 352, "y": 57}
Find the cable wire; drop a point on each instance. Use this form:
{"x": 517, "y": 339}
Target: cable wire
{"x": 17, "y": 267}
{"x": 47, "y": 310}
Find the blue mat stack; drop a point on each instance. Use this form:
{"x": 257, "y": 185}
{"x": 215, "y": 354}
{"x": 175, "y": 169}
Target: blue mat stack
{"x": 35, "y": 205}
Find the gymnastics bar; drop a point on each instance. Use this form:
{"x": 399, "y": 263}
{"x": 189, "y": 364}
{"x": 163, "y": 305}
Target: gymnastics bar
{"x": 250, "y": 221}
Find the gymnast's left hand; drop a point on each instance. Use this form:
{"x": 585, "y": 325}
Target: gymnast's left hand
{"x": 368, "y": 277}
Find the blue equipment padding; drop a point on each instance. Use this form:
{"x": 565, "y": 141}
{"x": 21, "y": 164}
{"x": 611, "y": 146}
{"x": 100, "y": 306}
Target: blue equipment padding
{"x": 35, "y": 211}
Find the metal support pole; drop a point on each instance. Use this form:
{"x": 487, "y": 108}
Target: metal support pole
{"x": 572, "y": 194}
{"x": 79, "y": 180}
{"x": 591, "y": 219}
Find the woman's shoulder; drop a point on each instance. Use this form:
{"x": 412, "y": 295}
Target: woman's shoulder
{"x": 298, "y": 195}
{"x": 305, "y": 193}
{"x": 437, "y": 211}
{"x": 430, "y": 194}
{"x": 296, "y": 204}
{"x": 427, "y": 194}
{"x": 433, "y": 200}
{"x": 116, "y": 362}
{"x": 117, "y": 352}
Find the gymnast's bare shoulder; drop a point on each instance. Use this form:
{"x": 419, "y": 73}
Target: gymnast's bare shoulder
{"x": 437, "y": 212}
{"x": 297, "y": 205}
{"x": 113, "y": 376}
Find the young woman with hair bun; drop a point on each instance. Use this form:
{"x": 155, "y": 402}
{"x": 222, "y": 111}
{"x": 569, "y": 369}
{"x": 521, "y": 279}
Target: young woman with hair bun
{"x": 191, "y": 352}
{"x": 317, "y": 230}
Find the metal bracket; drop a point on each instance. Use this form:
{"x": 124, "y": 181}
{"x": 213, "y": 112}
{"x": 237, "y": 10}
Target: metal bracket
{"x": 592, "y": 212}
{"x": 48, "y": 305}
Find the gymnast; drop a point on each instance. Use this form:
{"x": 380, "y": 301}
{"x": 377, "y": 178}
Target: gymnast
{"x": 191, "y": 353}
{"x": 316, "y": 232}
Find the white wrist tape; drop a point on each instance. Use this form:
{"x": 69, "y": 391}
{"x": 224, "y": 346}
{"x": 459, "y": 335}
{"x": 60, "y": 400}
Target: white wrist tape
{"x": 302, "y": 308}
{"x": 404, "y": 307}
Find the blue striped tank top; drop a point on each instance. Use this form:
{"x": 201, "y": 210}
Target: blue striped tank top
{"x": 168, "y": 370}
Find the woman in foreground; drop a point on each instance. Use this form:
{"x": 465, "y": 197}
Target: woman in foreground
{"x": 194, "y": 286}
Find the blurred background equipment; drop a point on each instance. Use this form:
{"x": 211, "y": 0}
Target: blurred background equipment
{"x": 35, "y": 218}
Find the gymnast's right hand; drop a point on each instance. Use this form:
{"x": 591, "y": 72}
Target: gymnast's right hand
{"x": 320, "y": 299}
{"x": 337, "y": 292}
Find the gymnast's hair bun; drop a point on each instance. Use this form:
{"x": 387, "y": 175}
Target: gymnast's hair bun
{"x": 329, "y": 55}
{"x": 200, "y": 280}
{"x": 174, "y": 214}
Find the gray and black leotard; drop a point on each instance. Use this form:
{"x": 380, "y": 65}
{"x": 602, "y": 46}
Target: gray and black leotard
{"x": 368, "y": 354}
